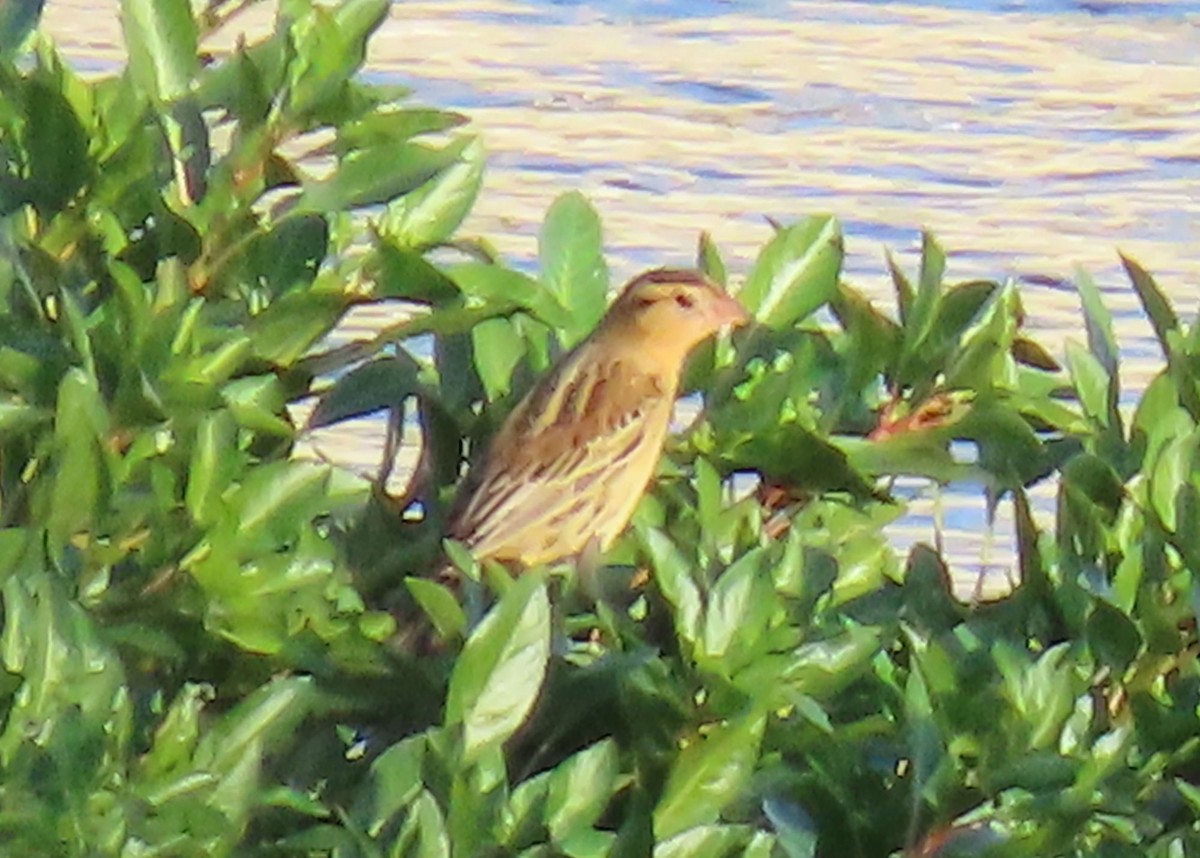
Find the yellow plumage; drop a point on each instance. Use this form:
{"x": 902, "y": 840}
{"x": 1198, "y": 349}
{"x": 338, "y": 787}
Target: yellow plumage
{"x": 573, "y": 459}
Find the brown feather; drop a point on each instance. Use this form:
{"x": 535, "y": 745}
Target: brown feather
{"x": 573, "y": 459}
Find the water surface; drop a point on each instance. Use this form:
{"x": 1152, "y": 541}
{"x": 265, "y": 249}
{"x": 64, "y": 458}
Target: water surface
{"x": 1030, "y": 136}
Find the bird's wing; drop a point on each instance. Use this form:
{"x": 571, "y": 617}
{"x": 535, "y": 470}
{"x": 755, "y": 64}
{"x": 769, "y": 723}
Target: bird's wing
{"x": 586, "y": 422}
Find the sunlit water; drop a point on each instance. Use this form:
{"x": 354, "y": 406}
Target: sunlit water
{"x": 1030, "y": 136}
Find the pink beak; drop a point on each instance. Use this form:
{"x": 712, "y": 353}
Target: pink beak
{"x": 727, "y": 311}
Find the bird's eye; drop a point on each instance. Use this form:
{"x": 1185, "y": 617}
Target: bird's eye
{"x": 684, "y": 300}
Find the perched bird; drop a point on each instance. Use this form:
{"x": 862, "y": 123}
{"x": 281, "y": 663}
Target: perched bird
{"x": 571, "y": 462}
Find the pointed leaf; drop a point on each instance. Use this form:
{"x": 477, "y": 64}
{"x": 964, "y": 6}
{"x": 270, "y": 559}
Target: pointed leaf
{"x": 382, "y": 383}
{"x": 431, "y": 213}
{"x": 673, "y": 576}
{"x": 372, "y": 176}
{"x": 709, "y": 261}
{"x": 905, "y": 294}
{"x": 795, "y": 273}
{"x": 1099, "y": 322}
{"x": 499, "y": 674}
{"x": 571, "y": 255}
{"x": 161, "y": 38}
{"x": 1091, "y": 382}
{"x": 709, "y": 774}
{"x": 1154, "y": 302}
{"x": 440, "y": 605}
{"x": 580, "y": 788}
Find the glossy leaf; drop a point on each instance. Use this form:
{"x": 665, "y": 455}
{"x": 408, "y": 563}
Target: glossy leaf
{"x": 1091, "y": 381}
{"x": 1102, "y": 341}
{"x": 430, "y": 214}
{"x": 571, "y": 255}
{"x": 393, "y": 126}
{"x": 372, "y": 176}
{"x": 674, "y": 579}
{"x": 795, "y": 273}
{"x": 499, "y": 674}
{"x": 708, "y": 775}
{"x": 579, "y": 790}
{"x": 709, "y": 261}
{"x": 498, "y": 349}
{"x": 161, "y": 38}
{"x": 508, "y": 290}
{"x": 1155, "y": 303}
{"x": 439, "y": 604}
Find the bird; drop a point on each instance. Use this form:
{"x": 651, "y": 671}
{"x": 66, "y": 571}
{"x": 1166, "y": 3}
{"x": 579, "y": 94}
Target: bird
{"x": 569, "y": 464}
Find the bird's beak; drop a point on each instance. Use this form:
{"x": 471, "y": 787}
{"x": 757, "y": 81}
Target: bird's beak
{"x": 727, "y": 312}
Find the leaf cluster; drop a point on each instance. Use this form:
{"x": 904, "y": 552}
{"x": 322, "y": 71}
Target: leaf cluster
{"x": 207, "y": 643}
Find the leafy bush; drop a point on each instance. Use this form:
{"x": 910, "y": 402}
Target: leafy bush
{"x": 207, "y": 643}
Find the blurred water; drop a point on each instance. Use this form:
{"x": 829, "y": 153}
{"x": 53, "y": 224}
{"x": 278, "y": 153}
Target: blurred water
{"x": 1031, "y": 136}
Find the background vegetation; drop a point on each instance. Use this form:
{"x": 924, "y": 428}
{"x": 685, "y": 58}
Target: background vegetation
{"x": 208, "y": 646}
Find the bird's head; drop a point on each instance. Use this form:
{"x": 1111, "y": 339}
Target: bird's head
{"x": 669, "y": 311}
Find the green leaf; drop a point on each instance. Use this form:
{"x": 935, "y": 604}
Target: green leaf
{"x": 795, "y": 273}
{"x": 1092, "y": 382}
{"x": 819, "y": 667}
{"x": 292, "y": 324}
{"x": 521, "y": 820}
{"x": 1042, "y": 693}
{"x": 905, "y": 294}
{"x": 955, "y": 311}
{"x": 1171, "y": 469}
{"x": 161, "y": 38}
{"x": 711, "y": 841}
{"x": 394, "y": 782}
{"x": 369, "y": 177}
{"x": 499, "y": 674}
{"x": 929, "y": 287}
{"x": 55, "y": 143}
{"x": 1102, "y": 341}
{"x": 427, "y": 824}
{"x": 709, "y": 774}
{"x": 264, "y": 719}
{"x": 709, "y": 261}
{"x": 394, "y": 126}
{"x": 257, "y": 402}
{"x": 275, "y": 496}
{"x": 570, "y": 251}
{"x": 673, "y": 576}
{"x": 70, "y": 694}
{"x": 213, "y": 466}
{"x": 498, "y": 349}
{"x": 430, "y": 214}
{"x": 508, "y": 290}
{"x": 1155, "y": 303}
{"x": 382, "y": 383}
{"x": 17, "y": 418}
{"x": 1113, "y": 636}
{"x": 981, "y": 360}
{"x": 288, "y": 255}
{"x": 440, "y": 605}
{"x": 18, "y": 18}
{"x": 168, "y": 766}
{"x": 734, "y": 614}
{"x": 400, "y": 272}
{"x": 580, "y": 788}
{"x": 81, "y": 423}
{"x": 330, "y": 46}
